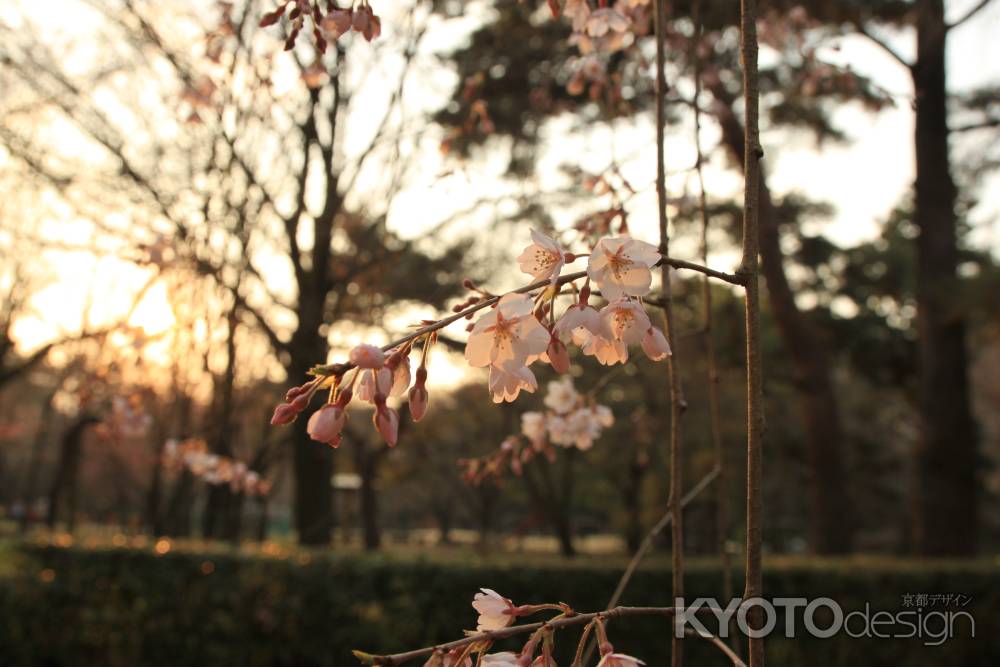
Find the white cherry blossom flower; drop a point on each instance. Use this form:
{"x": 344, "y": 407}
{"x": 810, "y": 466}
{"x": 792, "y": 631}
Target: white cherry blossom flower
{"x": 580, "y": 316}
{"x": 367, "y": 356}
{"x": 655, "y": 344}
{"x": 494, "y": 610}
{"x": 604, "y": 416}
{"x": 579, "y": 430}
{"x": 374, "y": 382}
{"x": 620, "y": 266}
{"x": 626, "y": 320}
{"x": 607, "y": 351}
{"x": 506, "y": 382}
{"x": 543, "y": 259}
{"x": 533, "y": 426}
{"x": 400, "y": 377}
{"x": 561, "y": 396}
{"x": 507, "y": 335}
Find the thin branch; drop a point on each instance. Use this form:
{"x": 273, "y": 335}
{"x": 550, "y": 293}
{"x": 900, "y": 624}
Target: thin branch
{"x": 981, "y": 125}
{"x": 969, "y": 14}
{"x": 515, "y": 630}
{"x": 882, "y": 44}
{"x": 749, "y": 271}
{"x": 647, "y": 542}
{"x": 677, "y": 403}
{"x": 711, "y": 358}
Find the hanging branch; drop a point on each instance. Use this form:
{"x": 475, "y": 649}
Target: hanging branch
{"x": 570, "y": 620}
{"x": 748, "y": 269}
{"x": 715, "y": 420}
{"x": 673, "y": 377}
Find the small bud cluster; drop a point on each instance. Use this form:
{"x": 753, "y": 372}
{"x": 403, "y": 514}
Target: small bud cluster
{"x": 192, "y": 455}
{"x": 571, "y": 421}
{"x": 373, "y": 375}
{"x": 329, "y": 21}
{"x": 497, "y": 613}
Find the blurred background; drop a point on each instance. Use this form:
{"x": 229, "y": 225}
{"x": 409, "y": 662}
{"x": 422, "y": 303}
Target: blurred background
{"x": 191, "y": 217}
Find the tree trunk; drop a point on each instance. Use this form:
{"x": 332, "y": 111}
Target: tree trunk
{"x": 367, "y": 459}
{"x": 313, "y": 494}
{"x": 947, "y": 516}
{"x": 35, "y": 462}
{"x": 832, "y": 517}
{"x": 64, "y": 484}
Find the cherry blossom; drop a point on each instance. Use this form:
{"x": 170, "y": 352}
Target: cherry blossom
{"x": 326, "y": 423}
{"x": 581, "y": 316}
{"x": 606, "y": 350}
{"x": 507, "y": 381}
{"x": 374, "y": 382}
{"x": 543, "y": 259}
{"x": 399, "y": 365}
{"x": 620, "y": 266}
{"x": 605, "y": 417}
{"x": 561, "y": 396}
{"x": 495, "y": 611}
{"x": 655, "y": 344}
{"x": 507, "y": 335}
{"x": 533, "y": 426}
{"x": 626, "y": 321}
{"x": 367, "y": 356}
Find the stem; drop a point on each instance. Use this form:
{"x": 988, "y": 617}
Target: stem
{"x": 673, "y": 377}
{"x": 514, "y": 630}
{"x": 748, "y": 270}
{"x": 715, "y": 420}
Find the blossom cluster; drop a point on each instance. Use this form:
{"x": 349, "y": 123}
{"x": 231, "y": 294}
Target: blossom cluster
{"x": 328, "y": 25}
{"x": 520, "y": 329}
{"x": 192, "y": 454}
{"x": 571, "y": 421}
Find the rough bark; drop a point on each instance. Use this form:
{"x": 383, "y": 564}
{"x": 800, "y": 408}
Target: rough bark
{"x": 832, "y": 518}
{"x": 947, "y": 516}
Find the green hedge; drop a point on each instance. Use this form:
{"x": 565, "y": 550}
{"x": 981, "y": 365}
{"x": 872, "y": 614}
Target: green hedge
{"x": 130, "y": 607}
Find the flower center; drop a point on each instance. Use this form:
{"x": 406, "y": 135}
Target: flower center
{"x": 619, "y": 262}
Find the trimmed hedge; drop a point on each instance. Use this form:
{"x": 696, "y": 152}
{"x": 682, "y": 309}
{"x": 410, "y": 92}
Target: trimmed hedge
{"x": 125, "y": 607}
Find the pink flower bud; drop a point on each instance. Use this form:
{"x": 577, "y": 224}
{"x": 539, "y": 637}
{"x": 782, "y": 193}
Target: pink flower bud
{"x": 285, "y": 413}
{"x": 325, "y": 423}
{"x": 558, "y": 355}
{"x": 301, "y": 401}
{"x": 367, "y": 356}
{"x": 655, "y": 344}
{"x": 387, "y": 423}
{"x": 418, "y": 402}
